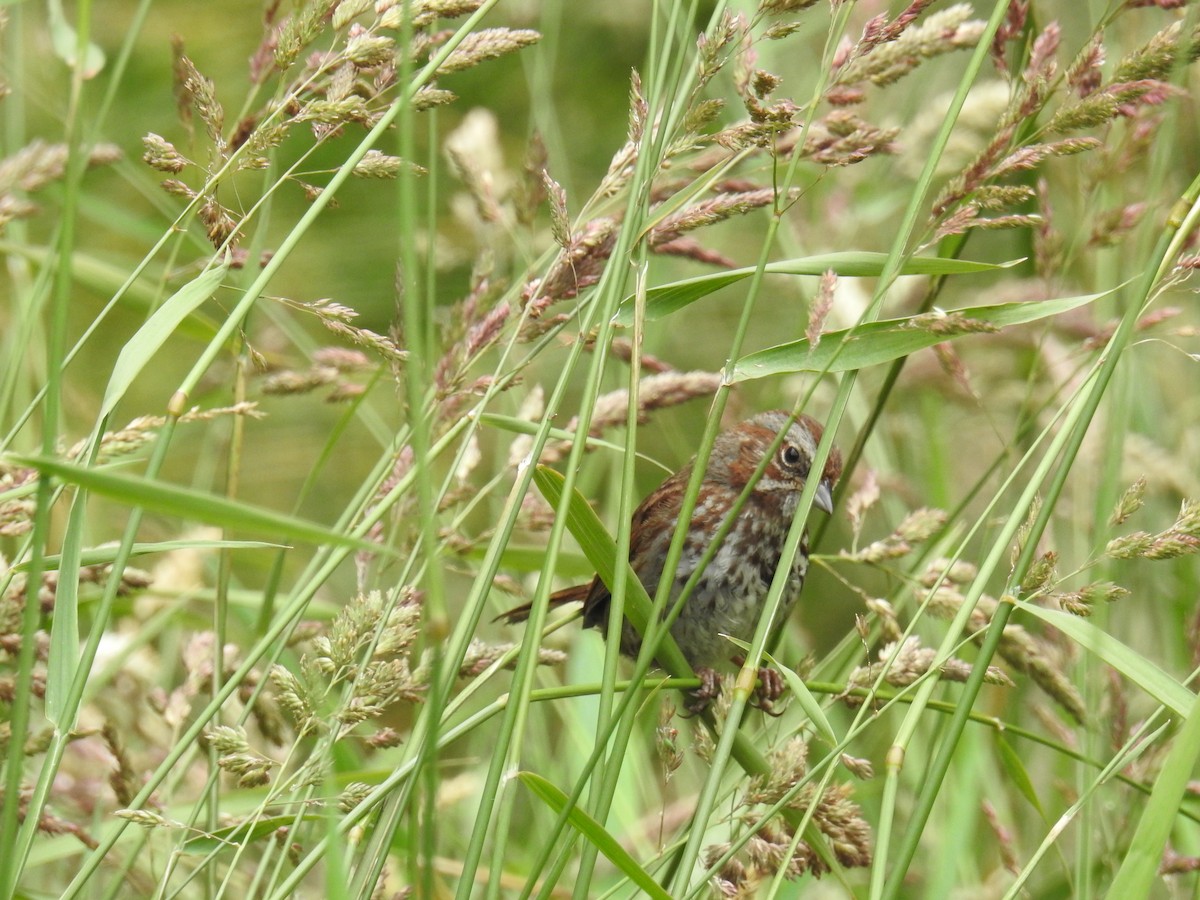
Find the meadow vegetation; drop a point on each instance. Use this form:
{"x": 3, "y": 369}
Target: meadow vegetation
{"x": 331, "y": 330}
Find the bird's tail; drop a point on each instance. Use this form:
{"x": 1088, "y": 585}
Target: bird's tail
{"x": 575, "y": 594}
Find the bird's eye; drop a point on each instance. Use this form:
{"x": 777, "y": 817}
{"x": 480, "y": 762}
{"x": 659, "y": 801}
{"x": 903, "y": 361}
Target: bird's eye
{"x": 791, "y": 456}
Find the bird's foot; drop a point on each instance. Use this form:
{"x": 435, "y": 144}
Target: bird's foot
{"x": 709, "y": 690}
{"x": 769, "y": 689}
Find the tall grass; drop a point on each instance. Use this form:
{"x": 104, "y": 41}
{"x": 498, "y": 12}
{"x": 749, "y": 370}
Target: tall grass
{"x": 315, "y": 367}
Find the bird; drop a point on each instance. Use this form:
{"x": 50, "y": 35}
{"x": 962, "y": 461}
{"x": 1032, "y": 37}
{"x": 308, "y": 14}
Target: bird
{"x": 731, "y": 593}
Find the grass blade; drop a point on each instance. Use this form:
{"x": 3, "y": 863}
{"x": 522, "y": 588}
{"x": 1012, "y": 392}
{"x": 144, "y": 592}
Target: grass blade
{"x": 807, "y": 700}
{"x": 1139, "y": 869}
{"x": 102, "y": 556}
{"x": 1014, "y": 766}
{"x": 670, "y": 298}
{"x": 239, "y": 835}
{"x": 595, "y": 833}
{"x": 138, "y": 351}
{"x": 881, "y": 342}
{"x": 1137, "y": 668}
{"x": 191, "y": 504}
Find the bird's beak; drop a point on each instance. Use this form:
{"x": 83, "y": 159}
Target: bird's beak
{"x": 824, "y": 497}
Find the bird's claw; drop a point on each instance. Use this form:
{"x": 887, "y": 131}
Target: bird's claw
{"x": 709, "y": 690}
{"x": 769, "y": 689}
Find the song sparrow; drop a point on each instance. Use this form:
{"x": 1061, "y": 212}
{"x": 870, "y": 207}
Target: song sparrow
{"x": 730, "y": 595}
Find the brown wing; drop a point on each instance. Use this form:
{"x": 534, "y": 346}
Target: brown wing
{"x": 652, "y": 520}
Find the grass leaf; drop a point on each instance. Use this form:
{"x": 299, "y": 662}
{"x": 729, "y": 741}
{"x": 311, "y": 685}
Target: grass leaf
{"x": 601, "y": 550}
{"x": 65, "y": 40}
{"x": 1137, "y": 668}
{"x": 665, "y": 299}
{"x": 1139, "y": 869}
{"x": 529, "y": 559}
{"x": 523, "y": 426}
{"x": 807, "y": 700}
{"x": 100, "y": 556}
{"x": 595, "y": 833}
{"x": 191, "y": 504}
{"x": 140, "y": 348}
{"x": 881, "y": 342}
{"x": 1014, "y": 766}
{"x": 239, "y": 835}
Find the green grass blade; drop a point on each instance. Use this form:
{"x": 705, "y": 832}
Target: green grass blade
{"x": 601, "y": 550}
{"x": 807, "y": 700}
{"x": 670, "y": 298}
{"x": 1139, "y": 869}
{"x": 598, "y": 546}
{"x": 191, "y": 504}
{"x": 1137, "y": 668}
{"x": 65, "y": 40}
{"x": 582, "y": 522}
{"x": 1015, "y": 767}
{"x": 240, "y": 835}
{"x": 63, "y": 658}
{"x": 138, "y": 351}
{"x": 102, "y": 556}
{"x": 529, "y": 559}
{"x": 881, "y": 342}
{"x": 595, "y": 833}
{"x": 523, "y": 426}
